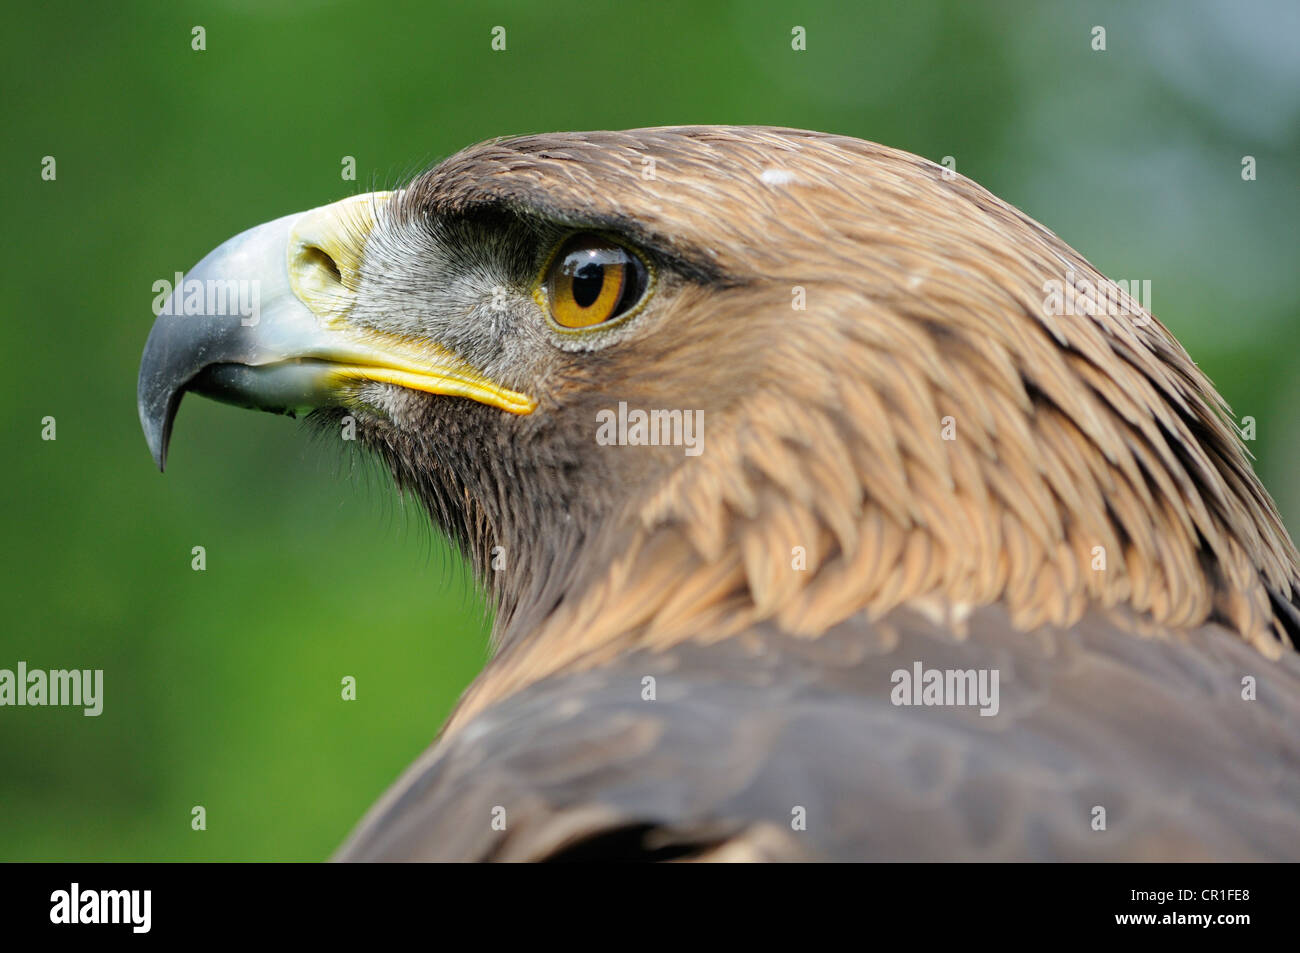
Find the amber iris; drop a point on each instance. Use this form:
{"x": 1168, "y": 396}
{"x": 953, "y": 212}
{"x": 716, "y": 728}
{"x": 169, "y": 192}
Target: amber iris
{"x": 593, "y": 280}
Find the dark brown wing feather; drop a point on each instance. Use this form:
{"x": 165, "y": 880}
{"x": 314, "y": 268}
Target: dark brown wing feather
{"x": 744, "y": 731}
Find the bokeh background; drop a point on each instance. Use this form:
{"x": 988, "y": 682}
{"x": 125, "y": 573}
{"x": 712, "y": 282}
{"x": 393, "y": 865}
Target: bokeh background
{"x": 222, "y": 688}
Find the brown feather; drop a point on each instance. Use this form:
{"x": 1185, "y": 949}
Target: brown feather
{"x": 1078, "y": 437}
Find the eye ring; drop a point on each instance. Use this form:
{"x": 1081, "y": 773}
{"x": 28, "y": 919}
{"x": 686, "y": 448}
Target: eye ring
{"x": 591, "y": 282}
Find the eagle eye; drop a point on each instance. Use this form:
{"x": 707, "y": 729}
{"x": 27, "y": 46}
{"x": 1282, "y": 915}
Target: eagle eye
{"x": 591, "y": 280}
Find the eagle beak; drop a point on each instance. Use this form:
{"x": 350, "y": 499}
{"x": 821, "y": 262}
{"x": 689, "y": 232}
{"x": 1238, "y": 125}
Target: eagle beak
{"x": 262, "y": 322}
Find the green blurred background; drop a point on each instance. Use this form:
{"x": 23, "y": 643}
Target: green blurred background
{"x": 222, "y": 688}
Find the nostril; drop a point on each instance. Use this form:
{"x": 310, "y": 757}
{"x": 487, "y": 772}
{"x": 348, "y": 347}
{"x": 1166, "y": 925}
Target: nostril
{"x": 325, "y": 282}
{"x": 315, "y": 256}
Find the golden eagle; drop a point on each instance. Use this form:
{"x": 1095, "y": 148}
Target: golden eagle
{"x": 830, "y": 507}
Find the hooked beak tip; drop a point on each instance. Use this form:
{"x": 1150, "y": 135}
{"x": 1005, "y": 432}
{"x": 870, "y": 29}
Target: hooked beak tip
{"x": 156, "y": 420}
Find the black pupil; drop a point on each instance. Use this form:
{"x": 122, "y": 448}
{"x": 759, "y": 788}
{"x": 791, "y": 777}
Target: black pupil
{"x": 587, "y": 282}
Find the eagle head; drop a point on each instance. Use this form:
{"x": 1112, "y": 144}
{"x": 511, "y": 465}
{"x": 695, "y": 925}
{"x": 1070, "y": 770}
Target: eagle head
{"x": 687, "y": 384}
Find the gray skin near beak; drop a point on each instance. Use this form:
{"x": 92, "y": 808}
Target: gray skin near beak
{"x": 243, "y": 316}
